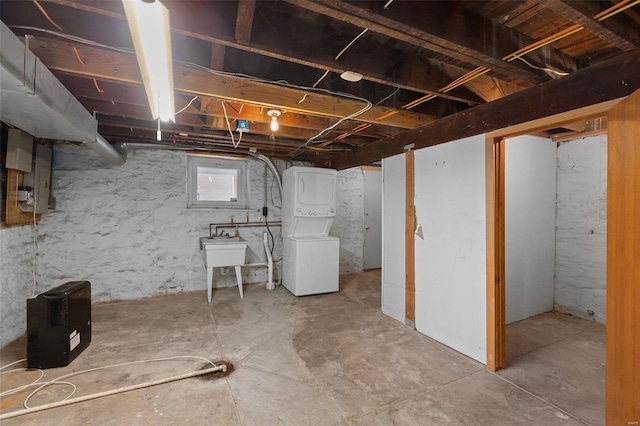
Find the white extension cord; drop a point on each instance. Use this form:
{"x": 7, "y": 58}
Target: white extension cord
{"x": 67, "y": 400}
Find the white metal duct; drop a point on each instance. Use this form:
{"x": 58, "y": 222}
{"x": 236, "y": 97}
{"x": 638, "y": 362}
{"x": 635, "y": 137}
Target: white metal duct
{"x": 34, "y": 100}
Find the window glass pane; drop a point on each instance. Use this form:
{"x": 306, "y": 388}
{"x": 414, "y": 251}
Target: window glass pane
{"x": 216, "y": 184}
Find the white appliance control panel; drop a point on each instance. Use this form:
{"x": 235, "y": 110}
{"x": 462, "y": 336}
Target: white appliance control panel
{"x": 311, "y": 213}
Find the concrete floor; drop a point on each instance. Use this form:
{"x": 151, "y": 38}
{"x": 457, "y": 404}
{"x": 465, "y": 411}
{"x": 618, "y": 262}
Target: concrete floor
{"x": 318, "y": 360}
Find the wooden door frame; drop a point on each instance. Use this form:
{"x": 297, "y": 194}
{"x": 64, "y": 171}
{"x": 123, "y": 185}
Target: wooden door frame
{"x": 496, "y": 283}
{"x": 494, "y": 171}
{"x": 410, "y": 243}
{"x": 623, "y": 232}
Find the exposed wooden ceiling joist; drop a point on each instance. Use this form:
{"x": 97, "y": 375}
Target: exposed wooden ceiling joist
{"x": 121, "y": 99}
{"x": 420, "y": 61}
{"x": 582, "y": 14}
{"x": 244, "y": 21}
{"x": 252, "y": 113}
{"x": 193, "y": 19}
{"x": 427, "y": 30}
{"x": 112, "y": 65}
{"x": 217, "y": 57}
{"x": 609, "y": 80}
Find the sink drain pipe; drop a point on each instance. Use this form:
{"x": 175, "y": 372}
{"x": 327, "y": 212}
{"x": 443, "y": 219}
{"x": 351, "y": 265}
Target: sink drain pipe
{"x": 89, "y": 397}
{"x": 278, "y": 179}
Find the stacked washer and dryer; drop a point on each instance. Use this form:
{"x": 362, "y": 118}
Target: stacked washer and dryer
{"x": 311, "y": 256}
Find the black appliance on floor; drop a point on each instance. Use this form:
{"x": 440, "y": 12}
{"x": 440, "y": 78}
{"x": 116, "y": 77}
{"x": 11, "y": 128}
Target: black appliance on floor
{"x": 58, "y": 325}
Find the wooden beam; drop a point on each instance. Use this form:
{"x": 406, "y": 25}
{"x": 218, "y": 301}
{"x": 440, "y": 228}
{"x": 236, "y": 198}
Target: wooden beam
{"x": 124, "y": 94}
{"x": 496, "y": 284}
{"x": 623, "y": 268}
{"x": 214, "y": 139}
{"x": 244, "y": 21}
{"x": 102, "y": 63}
{"x": 83, "y": 87}
{"x": 252, "y": 113}
{"x": 553, "y": 100}
{"x": 283, "y": 132}
{"x": 431, "y": 28}
{"x": 389, "y": 66}
{"x": 138, "y": 112}
{"x": 217, "y": 56}
{"x": 410, "y": 242}
{"x": 13, "y": 214}
{"x": 193, "y": 19}
{"x": 579, "y": 15}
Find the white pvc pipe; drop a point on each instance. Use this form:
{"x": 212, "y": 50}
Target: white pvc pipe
{"x": 43, "y": 407}
{"x": 265, "y": 242}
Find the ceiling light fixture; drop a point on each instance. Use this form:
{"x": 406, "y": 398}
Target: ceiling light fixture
{"x": 274, "y": 114}
{"x": 351, "y": 76}
{"x": 151, "y": 35}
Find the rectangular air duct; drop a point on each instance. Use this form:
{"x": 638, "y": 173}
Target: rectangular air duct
{"x": 34, "y": 100}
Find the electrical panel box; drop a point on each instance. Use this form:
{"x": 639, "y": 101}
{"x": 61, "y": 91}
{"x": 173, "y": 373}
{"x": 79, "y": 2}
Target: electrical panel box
{"x": 58, "y": 325}
{"x": 40, "y": 179}
{"x": 19, "y": 150}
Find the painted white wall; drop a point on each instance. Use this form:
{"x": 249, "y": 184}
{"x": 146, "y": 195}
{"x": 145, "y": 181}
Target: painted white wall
{"x": 349, "y": 222}
{"x": 372, "y": 250}
{"x": 16, "y": 281}
{"x": 127, "y": 229}
{"x": 451, "y": 245}
{"x": 530, "y": 219}
{"x": 581, "y": 235}
{"x": 393, "y": 241}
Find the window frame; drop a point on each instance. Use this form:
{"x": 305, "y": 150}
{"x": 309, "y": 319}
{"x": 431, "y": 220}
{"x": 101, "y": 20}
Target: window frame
{"x": 240, "y": 165}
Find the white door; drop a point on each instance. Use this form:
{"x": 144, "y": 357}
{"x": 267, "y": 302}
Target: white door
{"x": 372, "y": 218}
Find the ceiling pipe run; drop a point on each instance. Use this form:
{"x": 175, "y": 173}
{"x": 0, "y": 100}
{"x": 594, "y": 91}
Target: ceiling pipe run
{"x": 34, "y": 100}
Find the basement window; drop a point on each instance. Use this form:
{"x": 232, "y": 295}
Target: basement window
{"x": 214, "y": 182}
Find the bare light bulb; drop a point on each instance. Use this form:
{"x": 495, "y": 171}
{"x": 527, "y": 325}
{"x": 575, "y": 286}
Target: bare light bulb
{"x": 274, "y": 114}
{"x": 274, "y": 124}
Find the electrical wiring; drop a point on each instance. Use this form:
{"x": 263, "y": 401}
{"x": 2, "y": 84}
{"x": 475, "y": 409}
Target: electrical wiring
{"x": 367, "y": 107}
{"x": 271, "y": 195}
{"x": 188, "y": 105}
{"x": 560, "y": 73}
{"x": 388, "y": 96}
{"x": 352, "y": 41}
{"x": 13, "y": 363}
{"x": 314, "y": 85}
{"x": 35, "y": 383}
{"x": 284, "y": 83}
{"x": 194, "y": 66}
{"x": 20, "y": 388}
{"x": 23, "y": 387}
{"x": 313, "y": 139}
{"x": 46, "y": 15}
{"x": 273, "y": 242}
{"x": 226, "y": 117}
{"x": 60, "y": 380}
{"x": 95, "y": 83}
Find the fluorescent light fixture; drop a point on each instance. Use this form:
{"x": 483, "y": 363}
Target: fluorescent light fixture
{"x": 151, "y": 35}
{"x": 274, "y": 114}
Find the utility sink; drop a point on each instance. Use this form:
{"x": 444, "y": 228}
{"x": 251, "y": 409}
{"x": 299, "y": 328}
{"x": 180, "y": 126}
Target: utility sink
{"x": 221, "y": 252}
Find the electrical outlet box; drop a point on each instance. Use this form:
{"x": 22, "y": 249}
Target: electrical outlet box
{"x": 19, "y": 150}
{"x": 243, "y": 126}
{"x": 40, "y": 178}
